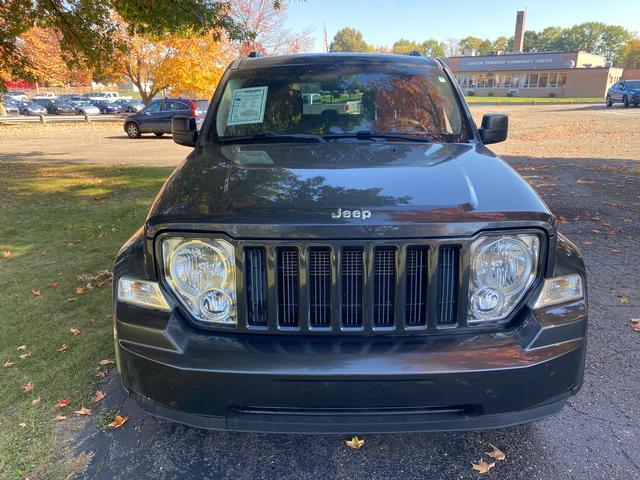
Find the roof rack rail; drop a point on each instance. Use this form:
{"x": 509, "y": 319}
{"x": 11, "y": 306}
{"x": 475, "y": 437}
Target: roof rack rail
{"x": 255, "y": 54}
{"x": 414, "y": 53}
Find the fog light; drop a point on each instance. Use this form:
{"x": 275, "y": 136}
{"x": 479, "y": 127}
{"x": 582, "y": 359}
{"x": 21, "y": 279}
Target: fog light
{"x": 559, "y": 290}
{"x": 216, "y": 306}
{"x": 487, "y": 303}
{"x": 143, "y": 293}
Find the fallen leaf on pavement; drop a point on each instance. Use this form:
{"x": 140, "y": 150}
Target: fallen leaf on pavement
{"x": 63, "y": 348}
{"x": 83, "y": 411}
{"x": 59, "y": 418}
{"x": 635, "y": 324}
{"x": 8, "y": 364}
{"x": 118, "y": 421}
{"x": 483, "y": 467}
{"x": 63, "y": 403}
{"x": 355, "y": 442}
{"x": 75, "y": 331}
{"x": 624, "y": 300}
{"x": 496, "y": 453}
{"x": 27, "y": 387}
{"x": 105, "y": 362}
{"x": 35, "y": 292}
{"x": 99, "y": 395}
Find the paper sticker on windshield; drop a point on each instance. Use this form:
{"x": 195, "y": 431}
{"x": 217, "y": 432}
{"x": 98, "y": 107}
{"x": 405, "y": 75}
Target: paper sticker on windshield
{"x": 247, "y": 106}
{"x": 441, "y": 79}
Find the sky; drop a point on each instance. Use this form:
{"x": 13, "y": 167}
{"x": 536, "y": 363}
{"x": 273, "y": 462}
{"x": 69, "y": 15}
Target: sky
{"x": 383, "y": 22}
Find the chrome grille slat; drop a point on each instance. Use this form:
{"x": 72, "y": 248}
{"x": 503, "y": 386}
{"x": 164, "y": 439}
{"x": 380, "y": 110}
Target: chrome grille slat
{"x": 255, "y": 272}
{"x": 447, "y": 285}
{"x": 319, "y": 287}
{"x": 384, "y": 278}
{"x": 288, "y": 287}
{"x": 416, "y": 271}
{"x": 352, "y": 283}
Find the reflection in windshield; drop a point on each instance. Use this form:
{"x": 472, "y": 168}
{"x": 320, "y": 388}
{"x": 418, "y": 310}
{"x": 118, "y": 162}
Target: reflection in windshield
{"x": 341, "y": 100}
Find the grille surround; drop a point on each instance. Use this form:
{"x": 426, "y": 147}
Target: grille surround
{"x": 400, "y": 328}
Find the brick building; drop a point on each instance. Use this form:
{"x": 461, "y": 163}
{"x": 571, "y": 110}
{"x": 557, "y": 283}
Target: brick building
{"x": 560, "y": 74}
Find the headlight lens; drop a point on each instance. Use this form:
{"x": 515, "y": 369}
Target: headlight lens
{"x": 201, "y": 272}
{"x": 502, "y": 269}
{"x": 142, "y": 293}
{"x": 557, "y": 290}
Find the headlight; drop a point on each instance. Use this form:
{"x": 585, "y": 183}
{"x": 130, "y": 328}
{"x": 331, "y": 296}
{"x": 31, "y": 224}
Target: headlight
{"x": 142, "y": 293}
{"x": 201, "y": 272}
{"x": 502, "y": 269}
{"x": 557, "y": 290}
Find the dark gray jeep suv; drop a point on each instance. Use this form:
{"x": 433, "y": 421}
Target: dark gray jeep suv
{"x": 340, "y": 252}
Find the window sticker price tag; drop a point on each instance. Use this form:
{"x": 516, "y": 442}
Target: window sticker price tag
{"x": 247, "y": 106}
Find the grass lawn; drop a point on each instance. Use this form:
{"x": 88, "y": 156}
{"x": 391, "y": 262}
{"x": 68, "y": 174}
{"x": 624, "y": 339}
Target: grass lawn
{"x": 480, "y": 99}
{"x": 59, "y": 223}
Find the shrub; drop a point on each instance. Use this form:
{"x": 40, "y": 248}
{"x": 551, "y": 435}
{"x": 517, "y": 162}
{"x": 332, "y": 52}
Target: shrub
{"x": 552, "y": 94}
{"x": 490, "y": 94}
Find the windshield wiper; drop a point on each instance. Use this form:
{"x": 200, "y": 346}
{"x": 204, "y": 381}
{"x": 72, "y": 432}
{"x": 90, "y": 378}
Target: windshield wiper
{"x": 368, "y": 135}
{"x": 261, "y": 137}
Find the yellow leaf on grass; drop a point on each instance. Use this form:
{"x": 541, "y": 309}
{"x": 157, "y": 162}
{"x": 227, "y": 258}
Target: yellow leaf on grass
{"x": 79, "y": 290}
{"x": 8, "y": 364}
{"x": 27, "y": 387}
{"x": 83, "y": 411}
{"x": 496, "y": 453}
{"x": 63, "y": 348}
{"x": 105, "y": 362}
{"x": 25, "y": 356}
{"x": 75, "y": 331}
{"x": 118, "y": 421}
{"x": 483, "y": 467}
{"x": 35, "y": 292}
{"x": 35, "y": 401}
{"x": 63, "y": 403}
{"x": 23, "y": 425}
{"x": 355, "y": 442}
{"x": 6, "y": 254}
{"x": 22, "y": 347}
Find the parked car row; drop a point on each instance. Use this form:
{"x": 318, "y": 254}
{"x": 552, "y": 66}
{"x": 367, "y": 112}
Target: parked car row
{"x": 156, "y": 117}
{"x": 68, "y": 105}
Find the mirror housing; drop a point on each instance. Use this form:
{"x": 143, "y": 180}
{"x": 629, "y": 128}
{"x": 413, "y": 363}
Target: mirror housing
{"x": 495, "y": 127}
{"x": 184, "y": 130}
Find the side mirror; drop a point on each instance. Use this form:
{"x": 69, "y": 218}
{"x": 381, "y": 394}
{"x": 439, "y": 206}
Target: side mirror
{"x": 185, "y": 131}
{"x": 494, "y": 128}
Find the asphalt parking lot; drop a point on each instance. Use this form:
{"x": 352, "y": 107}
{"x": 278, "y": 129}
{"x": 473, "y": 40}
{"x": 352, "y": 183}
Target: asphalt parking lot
{"x": 585, "y": 162}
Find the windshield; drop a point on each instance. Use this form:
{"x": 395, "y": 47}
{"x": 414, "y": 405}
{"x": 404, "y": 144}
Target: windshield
{"x": 341, "y": 100}
{"x": 633, "y": 83}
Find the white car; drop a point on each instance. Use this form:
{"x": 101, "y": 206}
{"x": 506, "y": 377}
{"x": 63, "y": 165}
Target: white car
{"x": 108, "y": 96}
{"x": 16, "y": 96}
{"x": 45, "y": 96}
{"x": 85, "y": 108}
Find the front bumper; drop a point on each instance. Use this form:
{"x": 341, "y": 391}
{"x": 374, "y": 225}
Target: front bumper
{"x": 273, "y": 383}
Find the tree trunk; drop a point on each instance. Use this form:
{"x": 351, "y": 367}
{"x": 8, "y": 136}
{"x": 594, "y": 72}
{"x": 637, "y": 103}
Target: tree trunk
{"x": 3, "y": 111}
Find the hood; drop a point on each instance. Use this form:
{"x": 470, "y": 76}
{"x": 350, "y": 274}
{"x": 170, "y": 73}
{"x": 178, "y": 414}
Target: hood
{"x": 315, "y": 184}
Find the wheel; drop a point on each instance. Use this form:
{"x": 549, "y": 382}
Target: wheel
{"x": 158, "y": 134}
{"x": 132, "y": 130}
{"x": 625, "y": 100}
{"x": 609, "y": 102}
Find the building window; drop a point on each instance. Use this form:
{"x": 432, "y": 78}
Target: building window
{"x": 543, "y": 81}
{"x": 553, "y": 79}
{"x": 562, "y": 79}
{"x": 533, "y": 80}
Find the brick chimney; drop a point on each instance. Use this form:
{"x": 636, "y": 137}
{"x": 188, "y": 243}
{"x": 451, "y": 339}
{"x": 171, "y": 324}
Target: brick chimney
{"x": 518, "y": 37}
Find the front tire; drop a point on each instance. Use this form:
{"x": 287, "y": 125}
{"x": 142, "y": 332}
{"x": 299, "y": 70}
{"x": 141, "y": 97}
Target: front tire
{"x": 609, "y": 102}
{"x": 132, "y": 130}
{"x": 625, "y": 100}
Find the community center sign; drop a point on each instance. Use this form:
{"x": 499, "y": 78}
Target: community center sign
{"x": 512, "y": 62}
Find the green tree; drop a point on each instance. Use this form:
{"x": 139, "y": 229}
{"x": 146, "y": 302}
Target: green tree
{"x": 404, "y": 46}
{"x": 630, "y": 54}
{"x": 468, "y": 45}
{"x": 501, "y": 44}
{"x": 485, "y": 47}
{"x": 433, "y": 48}
{"x": 349, "y": 40}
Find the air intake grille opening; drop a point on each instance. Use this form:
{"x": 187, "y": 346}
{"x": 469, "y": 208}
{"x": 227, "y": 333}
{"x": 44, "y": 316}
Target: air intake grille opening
{"x": 288, "y": 287}
{"x": 351, "y": 272}
{"x": 319, "y": 287}
{"x": 256, "y": 286}
{"x": 384, "y": 283}
{"x": 416, "y": 301}
{"x": 448, "y": 271}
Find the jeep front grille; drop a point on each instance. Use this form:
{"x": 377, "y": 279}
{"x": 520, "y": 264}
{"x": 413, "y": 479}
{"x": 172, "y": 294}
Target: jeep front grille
{"x": 342, "y": 287}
